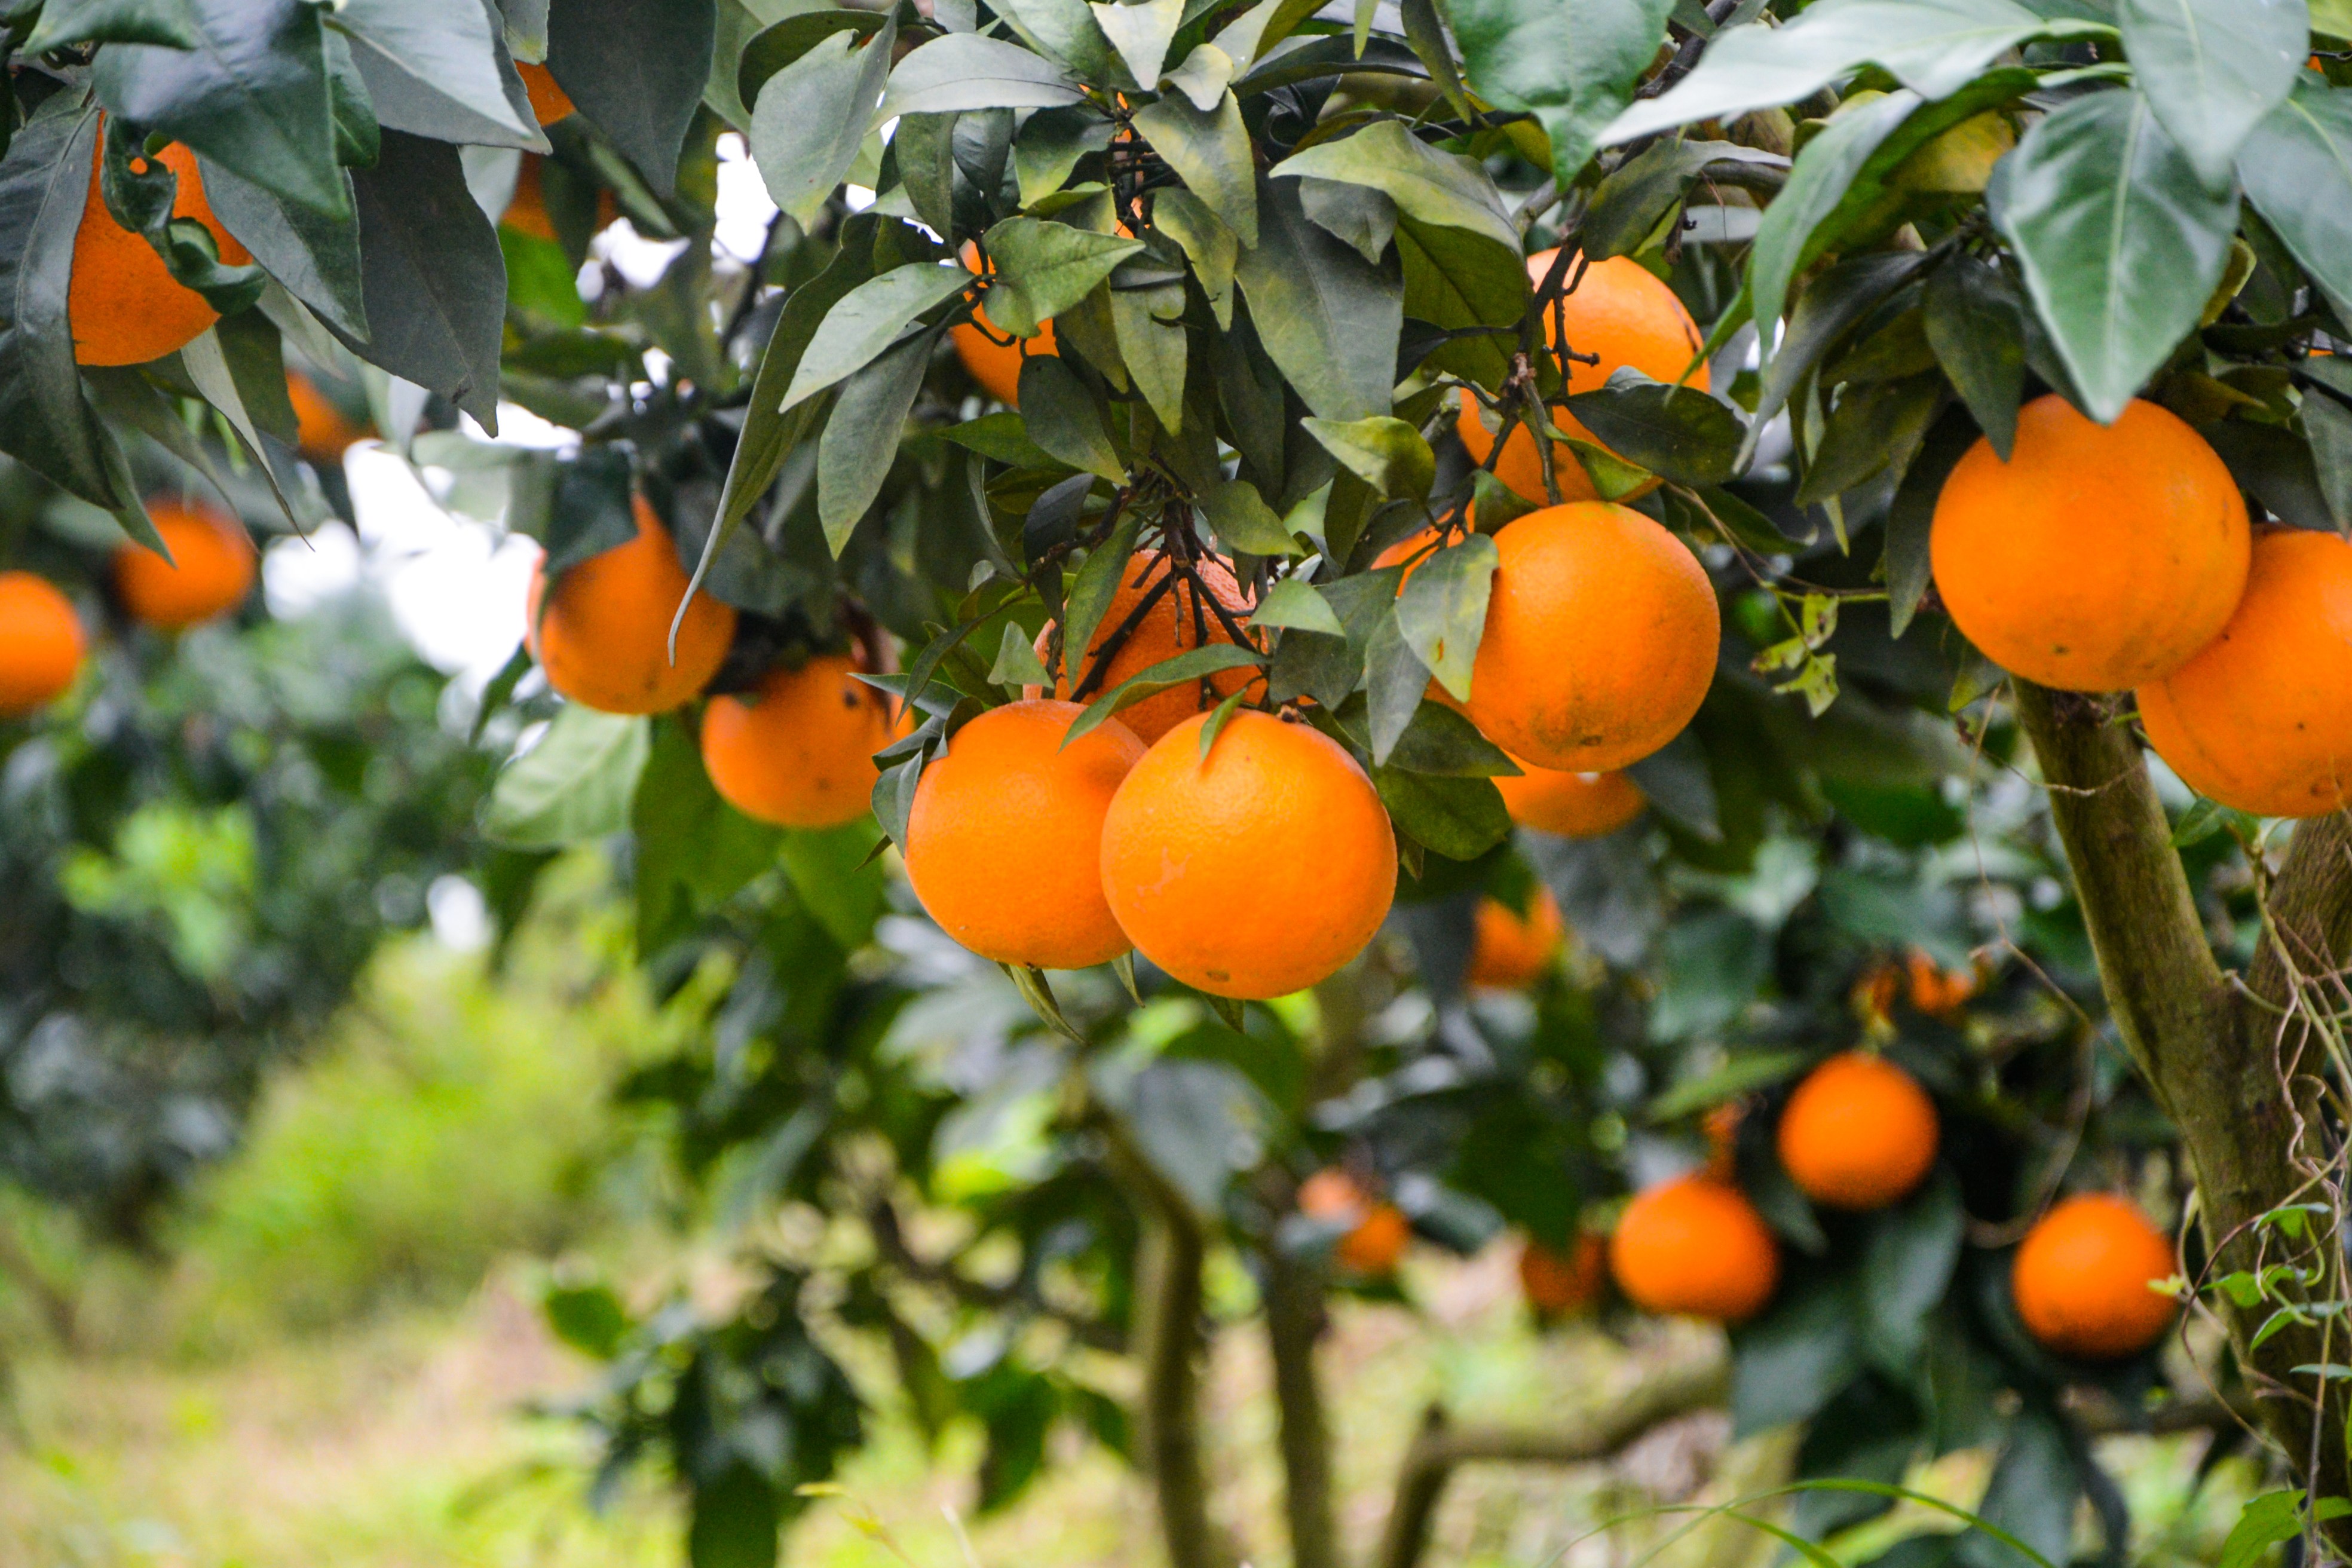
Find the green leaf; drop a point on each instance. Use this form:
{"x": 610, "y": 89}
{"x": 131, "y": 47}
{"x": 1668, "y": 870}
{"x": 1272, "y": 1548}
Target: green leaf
{"x": 68, "y": 21}
{"x": 965, "y": 71}
{"x": 1634, "y": 200}
{"x": 436, "y": 68}
{"x": 1327, "y": 319}
{"x": 1383, "y": 451}
{"x": 2300, "y": 148}
{"x": 253, "y": 96}
{"x": 317, "y": 258}
{"x": 588, "y": 1317}
{"x": 1818, "y": 180}
{"x": 861, "y": 439}
{"x": 2213, "y": 68}
{"x": 1678, "y": 433}
{"x": 2120, "y": 243}
{"x": 1432, "y": 187}
{"x": 1091, "y": 593}
{"x": 866, "y": 321}
{"x": 1207, "y": 242}
{"x": 1911, "y": 516}
{"x": 693, "y": 850}
{"x": 1065, "y": 31}
{"x": 1395, "y": 679}
{"x": 1140, "y": 32}
{"x": 637, "y": 68}
{"x": 2328, "y": 425}
{"x": 1791, "y": 1362}
{"x": 1907, "y": 1265}
{"x": 1875, "y": 424}
{"x": 1000, "y": 438}
{"x": 1043, "y": 269}
{"x": 1191, "y": 665}
{"x": 1460, "y": 818}
{"x": 1244, "y": 524}
{"x": 2034, "y": 1492}
{"x": 1932, "y": 46}
{"x": 2264, "y": 1523}
{"x": 1831, "y": 305}
{"x": 839, "y": 881}
{"x": 44, "y": 420}
{"x": 1442, "y": 743}
{"x": 1248, "y": 36}
{"x": 773, "y": 48}
{"x": 207, "y": 367}
{"x": 1210, "y": 152}
{"x": 1017, "y": 663}
{"x": 1151, "y": 343}
{"x": 1364, "y": 218}
{"x": 432, "y": 274}
{"x": 1296, "y": 605}
{"x": 1049, "y": 145}
{"x": 1206, "y": 74}
{"x": 1442, "y": 614}
{"x": 807, "y": 127}
{"x": 1976, "y": 325}
{"x": 1570, "y": 63}
{"x": 573, "y": 786}
{"x": 1064, "y": 420}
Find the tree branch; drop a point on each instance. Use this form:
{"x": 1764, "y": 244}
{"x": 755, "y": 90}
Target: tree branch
{"x": 2212, "y": 1053}
{"x": 890, "y": 1241}
{"x": 1294, "y": 1322}
{"x": 1439, "y": 1448}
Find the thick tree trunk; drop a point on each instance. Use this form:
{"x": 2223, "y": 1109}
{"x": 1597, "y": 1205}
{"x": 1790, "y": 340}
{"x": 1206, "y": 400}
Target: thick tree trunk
{"x": 1294, "y": 1320}
{"x": 2215, "y": 1050}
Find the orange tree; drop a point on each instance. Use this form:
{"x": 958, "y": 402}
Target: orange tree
{"x": 1233, "y": 439}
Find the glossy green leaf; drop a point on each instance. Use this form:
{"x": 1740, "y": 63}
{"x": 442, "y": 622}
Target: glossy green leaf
{"x": 2120, "y": 243}
{"x": 1875, "y": 425}
{"x": 435, "y": 67}
{"x": 1395, "y": 678}
{"x": 1442, "y": 614}
{"x": 1063, "y": 419}
{"x": 1191, "y": 665}
{"x": 1634, "y": 200}
{"x": 1296, "y": 605}
{"x": 315, "y": 257}
{"x": 811, "y": 119}
{"x": 861, "y": 439}
{"x": 1153, "y": 349}
{"x": 966, "y": 70}
{"x": 1327, "y": 319}
{"x": 1976, "y": 324}
{"x": 1244, "y": 524}
{"x": 2302, "y": 147}
{"x": 432, "y": 274}
{"x": 1043, "y": 269}
{"x": 1431, "y": 186}
{"x": 2213, "y": 68}
{"x": 1203, "y": 77}
{"x": 1817, "y": 183}
{"x": 1570, "y": 63}
{"x": 1210, "y": 150}
{"x": 1460, "y": 818}
{"x": 1140, "y": 32}
{"x": 1677, "y": 432}
{"x": 867, "y": 320}
{"x": 1383, "y": 451}
{"x": 1049, "y": 145}
{"x": 637, "y": 68}
{"x": 574, "y": 786}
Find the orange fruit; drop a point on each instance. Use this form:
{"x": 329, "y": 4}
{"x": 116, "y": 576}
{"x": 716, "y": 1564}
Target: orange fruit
{"x": 1574, "y": 805}
{"x": 1257, "y": 872}
{"x": 2098, "y": 557}
{"x": 1696, "y": 1246}
{"x": 1004, "y": 843}
{"x": 125, "y": 305}
{"x": 1600, "y": 642}
{"x": 322, "y": 430}
{"x": 2261, "y": 718}
{"x": 1721, "y": 1126}
{"x": 210, "y": 573}
{"x": 1938, "y": 993}
{"x": 1621, "y": 312}
{"x": 1167, "y": 629}
{"x": 1858, "y": 1134}
{"x": 995, "y": 365}
{"x": 527, "y": 208}
{"x": 548, "y": 102}
{"x": 41, "y": 643}
{"x": 1512, "y": 950}
{"x": 2081, "y": 1278}
{"x": 602, "y": 635}
{"x": 798, "y": 751}
{"x": 1378, "y": 1233}
{"x": 1555, "y": 1286}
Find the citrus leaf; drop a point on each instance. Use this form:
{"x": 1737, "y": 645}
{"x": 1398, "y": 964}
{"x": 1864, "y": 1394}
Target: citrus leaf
{"x": 1184, "y": 669}
{"x": 2213, "y": 68}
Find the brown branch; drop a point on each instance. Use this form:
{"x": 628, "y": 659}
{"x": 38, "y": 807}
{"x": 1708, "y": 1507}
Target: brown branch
{"x": 1294, "y": 1322}
{"x": 1441, "y": 1448}
{"x": 2210, "y": 1050}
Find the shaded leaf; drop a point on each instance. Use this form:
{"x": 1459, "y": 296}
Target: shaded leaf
{"x": 573, "y": 786}
{"x": 861, "y": 439}
{"x": 432, "y": 274}
{"x": 1327, "y": 319}
{"x": 809, "y": 123}
{"x": 1210, "y": 150}
{"x": 1296, "y": 604}
{"x": 1183, "y": 669}
{"x": 2305, "y": 146}
{"x": 637, "y": 68}
{"x": 1063, "y": 419}
{"x": 1976, "y": 325}
{"x": 1383, "y": 451}
{"x": 1140, "y": 32}
{"x": 1244, "y": 524}
{"x": 867, "y": 320}
{"x": 435, "y": 67}
{"x": 1677, "y": 433}
{"x": 1460, "y": 818}
{"x": 966, "y": 70}
{"x": 1043, "y": 269}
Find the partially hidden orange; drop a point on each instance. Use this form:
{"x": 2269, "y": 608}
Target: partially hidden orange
{"x": 1557, "y": 1284}
{"x": 1005, "y": 844}
{"x": 210, "y": 573}
{"x": 549, "y": 101}
{"x": 323, "y": 431}
{"x": 1378, "y": 1233}
{"x": 1173, "y": 624}
{"x": 1511, "y": 949}
{"x": 125, "y": 305}
{"x": 798, "y": 751}
{"x": 42, "y": 643}
{"x": 1574, "y": 805}
{"x": 1254, "y": 873}
{"x": 601, "y": 636}
{"x": 990, "y": 360}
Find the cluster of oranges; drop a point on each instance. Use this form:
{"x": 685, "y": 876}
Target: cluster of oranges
{"x": 2120, "y": 558}
{"x": 43, "y": 643}
{"x": 1859, "y": 1134}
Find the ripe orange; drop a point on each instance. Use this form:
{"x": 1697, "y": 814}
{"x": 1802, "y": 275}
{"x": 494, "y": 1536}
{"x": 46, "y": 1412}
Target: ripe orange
{"x": 2261, "y": 718}
{"x": 1621, "y": 312}
{"x": 1167, "y": 629}
{"x": 995, "y": 365}
{"x": 527, "y": 208}
{"x": 210, "y": 573}
{"x": 1574, "y": 805}
{"x": 1600, "y": 638}
{"x": 1858, "y": 1134}
{"x": 1379, "y": 1232}
{"x": 603, "y": 638}
{"x": 1938, "y": 993}
{"x": 1695, "y": 1246}
{"x": 1004, "y": 843}
{"x": 2098, "y": 557}
{"x": 1255, "y": 873}
{"x": 2081, "y": 1280}
{"x": 1557, "y": 1286}
{"x": 41, "y": 643}
{"x": 322, "y": 429}
{"x": 549, "y": 102}
{"x": 125, "y": 305}
{"x": 1512, "y": 950}
{"x": 799, "y": 751}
